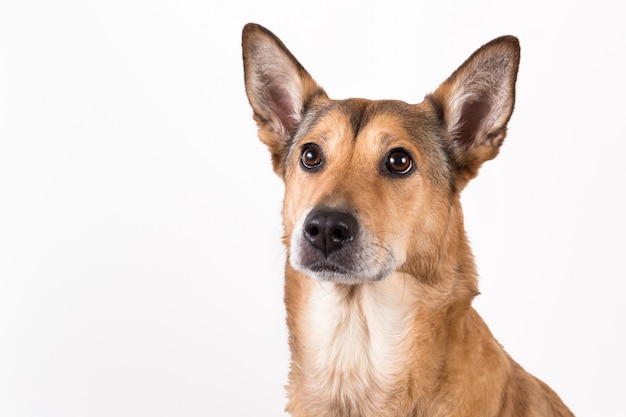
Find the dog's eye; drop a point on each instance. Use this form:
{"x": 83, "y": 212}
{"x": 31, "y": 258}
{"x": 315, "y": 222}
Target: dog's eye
{"x": 399, "y": 162}
{"x": 311, "y": 156}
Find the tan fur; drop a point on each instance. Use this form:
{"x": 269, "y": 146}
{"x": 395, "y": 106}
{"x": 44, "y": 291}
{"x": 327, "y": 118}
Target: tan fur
{"x": 397, "y": 336}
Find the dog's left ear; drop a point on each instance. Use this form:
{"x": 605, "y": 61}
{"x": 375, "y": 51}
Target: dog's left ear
{"x": 476, "y": 103}
{"x": 279, "y": 90}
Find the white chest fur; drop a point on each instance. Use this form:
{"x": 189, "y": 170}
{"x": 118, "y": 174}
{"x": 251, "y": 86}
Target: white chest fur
{"x": 357, "y": 340}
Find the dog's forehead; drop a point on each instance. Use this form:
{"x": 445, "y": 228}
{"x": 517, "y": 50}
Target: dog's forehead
{"x": 354, "y": 115}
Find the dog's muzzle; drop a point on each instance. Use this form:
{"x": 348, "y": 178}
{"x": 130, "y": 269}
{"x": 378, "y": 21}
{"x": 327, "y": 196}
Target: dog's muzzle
{"x": 330, "y": 245}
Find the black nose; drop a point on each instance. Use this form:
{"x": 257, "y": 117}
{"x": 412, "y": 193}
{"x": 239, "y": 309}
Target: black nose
{"x": 329, "y": 231}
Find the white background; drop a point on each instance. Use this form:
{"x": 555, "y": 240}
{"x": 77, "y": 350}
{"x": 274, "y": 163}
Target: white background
{"x": 140, "y": 256}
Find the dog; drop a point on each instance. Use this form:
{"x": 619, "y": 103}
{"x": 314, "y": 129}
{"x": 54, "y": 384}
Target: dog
{"x": 379, "y": 275}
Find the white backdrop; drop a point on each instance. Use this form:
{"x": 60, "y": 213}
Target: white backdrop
{"x": 140, "y": 256}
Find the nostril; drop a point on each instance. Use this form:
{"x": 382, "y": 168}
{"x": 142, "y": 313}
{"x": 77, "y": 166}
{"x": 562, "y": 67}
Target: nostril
{"x": 340, "y": 234}
{"x": 312, "y": 230}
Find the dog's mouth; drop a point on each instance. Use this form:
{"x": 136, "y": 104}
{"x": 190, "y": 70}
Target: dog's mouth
{"x": 329, "y": 268}
{"x": 329, "y": 271}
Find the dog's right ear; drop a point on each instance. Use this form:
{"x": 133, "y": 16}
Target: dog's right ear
{"x": 279, "y": 90}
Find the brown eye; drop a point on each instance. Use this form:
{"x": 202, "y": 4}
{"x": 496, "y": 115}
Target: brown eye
{"x": 399, "y": 162}
{"x": 311, "y": 156}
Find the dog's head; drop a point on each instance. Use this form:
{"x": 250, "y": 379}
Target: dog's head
{"x": 370, "y": 184}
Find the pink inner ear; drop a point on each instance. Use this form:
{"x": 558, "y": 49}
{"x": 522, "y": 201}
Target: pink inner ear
{"x": 281, "y": 104}
{"x": 473, "y": 115}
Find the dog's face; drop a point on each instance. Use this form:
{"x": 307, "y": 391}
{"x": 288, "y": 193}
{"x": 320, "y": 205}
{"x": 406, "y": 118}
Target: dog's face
{"x": 370, "y": 183}
{"x": 361, "y": 179}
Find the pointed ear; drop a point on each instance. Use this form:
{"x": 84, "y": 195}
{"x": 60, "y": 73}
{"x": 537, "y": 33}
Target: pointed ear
{"x": 279, "y": 90}
{"x": 476, "y": 103}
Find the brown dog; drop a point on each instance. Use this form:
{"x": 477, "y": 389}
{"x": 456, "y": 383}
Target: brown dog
{"x": 380, "y": 277}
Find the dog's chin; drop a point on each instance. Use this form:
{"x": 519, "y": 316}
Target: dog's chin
{"x": 329, "y": 272}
